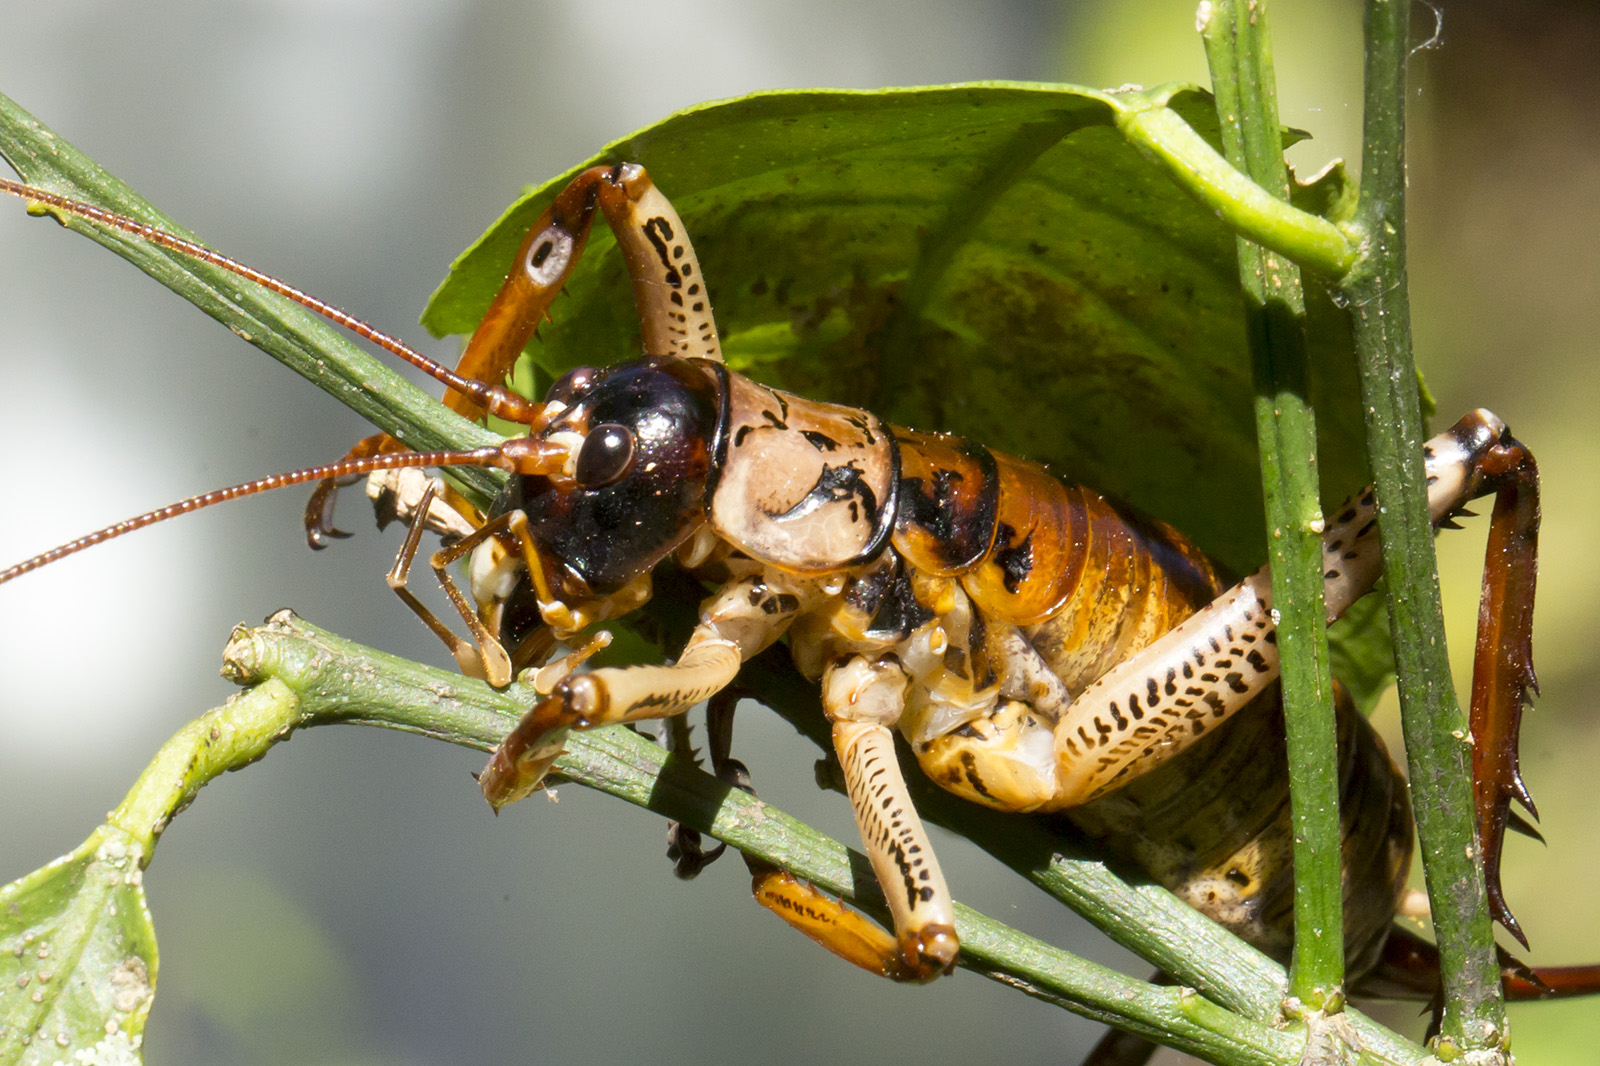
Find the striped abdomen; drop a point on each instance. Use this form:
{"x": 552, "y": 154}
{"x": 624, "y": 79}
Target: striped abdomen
{"x": 1089, "y": 584}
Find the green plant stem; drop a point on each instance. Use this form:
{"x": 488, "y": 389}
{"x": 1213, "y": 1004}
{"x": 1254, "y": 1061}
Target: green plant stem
{"x": 226, "y": 738}
{"x": 301, "y": 340}
{"x": 1238, "y": 47}
{"x": 1255, "y": 213}
{"x": 1436, "y": 731}
{"x": 333, "y": 680}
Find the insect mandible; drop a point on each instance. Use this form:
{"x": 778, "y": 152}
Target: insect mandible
{"x": 1040, "y": 647}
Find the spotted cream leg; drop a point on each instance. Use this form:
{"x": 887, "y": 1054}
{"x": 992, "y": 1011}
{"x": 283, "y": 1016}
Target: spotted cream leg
{"x": 833, "y": 925}
{"x": 743, "y": 618}
{"x": 864, "y": 699}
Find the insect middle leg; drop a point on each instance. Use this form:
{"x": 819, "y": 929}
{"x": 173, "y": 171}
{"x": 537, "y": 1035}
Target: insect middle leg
{"x": 824, "y": 919}
{"x": 864, "y": 699}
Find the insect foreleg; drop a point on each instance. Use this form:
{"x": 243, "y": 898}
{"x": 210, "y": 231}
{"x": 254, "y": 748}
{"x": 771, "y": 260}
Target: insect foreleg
{"x": 741, "y": 620}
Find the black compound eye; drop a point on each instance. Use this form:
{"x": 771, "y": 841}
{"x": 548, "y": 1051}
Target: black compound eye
{"x": 607, "y": 455}
{"x": 570, "y": 385}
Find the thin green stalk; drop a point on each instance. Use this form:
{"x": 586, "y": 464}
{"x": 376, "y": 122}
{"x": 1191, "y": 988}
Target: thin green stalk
{"x": 1310, "y": 240}
{"x": 1436, "y": 731}
{"x": 222, "y": 739}
{"x": 1238, "y": 47}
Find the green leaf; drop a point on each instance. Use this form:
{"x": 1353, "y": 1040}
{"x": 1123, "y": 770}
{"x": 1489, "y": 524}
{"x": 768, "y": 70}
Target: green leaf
{"x": 994, "y": 260}
{"x": 77, "y": 949}
{"x": 1360, "y": 650}
{"x": 78, "y": 956}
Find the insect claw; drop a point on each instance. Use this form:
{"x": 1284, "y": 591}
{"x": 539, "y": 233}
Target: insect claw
{"x": 1519, "y": 791}
{"x": 1522, "y": 825}
{"x": 317, "y": 538}
{"x": 689, "y": 857}
{"x": 737, "y": 774}
{"x": 1498, "y": 911}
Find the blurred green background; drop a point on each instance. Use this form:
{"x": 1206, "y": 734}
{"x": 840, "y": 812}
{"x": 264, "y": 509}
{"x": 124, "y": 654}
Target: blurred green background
{"x": 348, "y": 900}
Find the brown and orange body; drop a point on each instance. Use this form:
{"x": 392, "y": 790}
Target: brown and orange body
{"x": 975, "y": 604}
{"x": 1088, "y": 584}
{"x": 1039, "y": 647}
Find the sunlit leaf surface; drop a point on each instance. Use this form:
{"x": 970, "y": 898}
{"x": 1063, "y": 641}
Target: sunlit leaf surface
{"x": 77, "y": 957}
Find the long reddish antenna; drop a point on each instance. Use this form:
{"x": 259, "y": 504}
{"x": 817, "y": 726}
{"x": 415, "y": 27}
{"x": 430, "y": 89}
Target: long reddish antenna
{"x": 503, "y": 403}
{"x": 521, "y": 455}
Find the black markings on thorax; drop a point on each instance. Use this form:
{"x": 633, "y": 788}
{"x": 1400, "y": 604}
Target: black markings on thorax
{"x": 864, "y": 424}
{"x": 1014, "y": 560}
{"x": 835, "y": 484}
{"x": 820, "y": 441}
{"x": 933, "y": 514}
{"x": 886, "y": 596}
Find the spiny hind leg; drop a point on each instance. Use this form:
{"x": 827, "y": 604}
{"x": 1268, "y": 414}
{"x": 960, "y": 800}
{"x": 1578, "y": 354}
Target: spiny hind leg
{"x": 1185, "y": 683}
{"x": 1409, "y": 969}
{"x": 1192, "y": 678}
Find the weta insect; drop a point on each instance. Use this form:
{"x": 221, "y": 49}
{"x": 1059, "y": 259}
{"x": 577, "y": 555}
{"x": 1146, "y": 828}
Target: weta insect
{"x": 1039, "y": 647}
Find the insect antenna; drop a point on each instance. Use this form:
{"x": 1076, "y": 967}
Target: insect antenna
{"x": 503, "y": 403}
{"x": 521, "y": 455}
